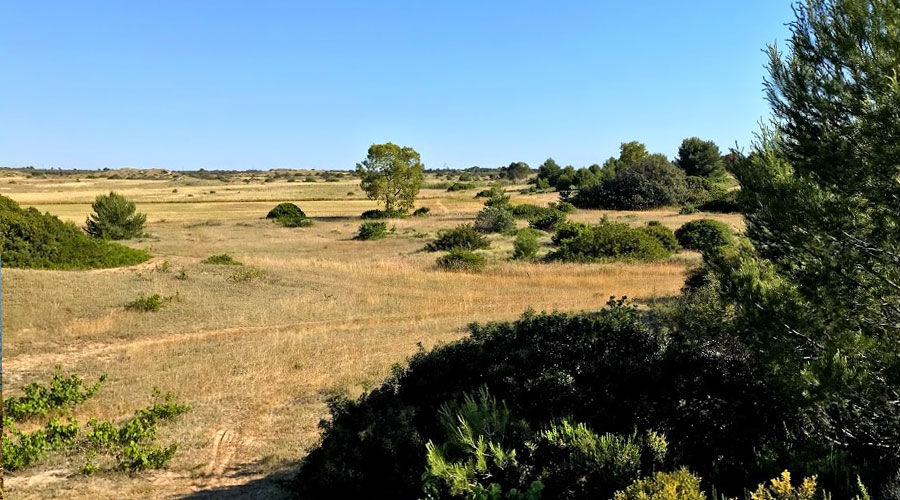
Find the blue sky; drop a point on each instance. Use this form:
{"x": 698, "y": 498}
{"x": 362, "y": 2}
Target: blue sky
{"x": 188, "y": 84}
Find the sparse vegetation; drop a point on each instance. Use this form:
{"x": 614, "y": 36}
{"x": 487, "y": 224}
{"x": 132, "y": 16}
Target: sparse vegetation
{"x": 461, "y": 260}
{"x": 371, "y": 231}
{"x": 494, "y": 219}
{"x": 222, "y": 259}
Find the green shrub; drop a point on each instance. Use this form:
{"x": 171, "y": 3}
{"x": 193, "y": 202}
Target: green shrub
{"x": 461, "y": 260}
{"x": 664, "y": 235}
{"x": 383, "y": 214}
{"x": 568, "y": 230}
{"x": 462, "y": 237}
{"x": 38, "y": 399}
{"x": 148, "y": 303}
{"x": 688, "y": 208}
{"x": 289, "y": 215}
{"x": 494, "y": 219}
{"x": 610, "y": 241}
{"x": 651, "y": 182}
{"x": 563, "y": 206}
{"x": 461, "y": 186}
{"x": 704, "y": 235}
{"x": 421, "y": 212}
{"x": 372, "y": 230}
{"x": 114, "y": 218}
{"x": 678, "y": 485}
{"x": 547, "y": 221}
{"x": 246, "y": 275}
{"x": 30, "y": 239}
{"x": 526, "y": 244}
{"x": 496, "y": 196}
{"x": 288, "y": 221}
{"x": 528, "y": 211}
{"x": 726, "y": 203}
{"x": 222, "y": 259}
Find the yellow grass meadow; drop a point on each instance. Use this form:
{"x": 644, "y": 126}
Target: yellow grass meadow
{"x": 256, "y": 357}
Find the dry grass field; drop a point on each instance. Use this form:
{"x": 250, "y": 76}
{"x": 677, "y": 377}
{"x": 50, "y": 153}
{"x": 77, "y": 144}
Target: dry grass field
{"x": 255, "y": 356}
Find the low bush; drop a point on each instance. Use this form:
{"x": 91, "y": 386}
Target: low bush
{"x": 494, "y": 219}
{"x": 30, "y": 239}
{"x": 421, "y": 212}
{"x": 371, "y": 230}
{"x": 704, "y": 235}
{"x": 39, "y": 399}
{"x": 678, "y": 485}
{"x": 247, "y": 275}
{"x": 688, "y": 208}
{"x": 526, "y": 245}
{"x": 462, "y": 237}
{"x": 562, "y": 206}
{"x": 610, "y": 241}
{"x": 114, "y": 218}
{"x": 548, "y": 220}
{"x": 726, "y": 203}
{"x": 294, "y": 221}
{"x": 148, "y": 303}
{"x": 461, "y": 186}
{"x": 285, "y": 210}
{"x": 496, "y": 196}
{"x": 528, "y": 211}
{"x": 461, "y": 260}
{"x": 383, "y": 214}
{"x": 222, "y": 259}
{"x": 663, "y": 234}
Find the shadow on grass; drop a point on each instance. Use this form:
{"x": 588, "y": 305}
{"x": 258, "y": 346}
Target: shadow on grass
{"x": 275, "y": 486}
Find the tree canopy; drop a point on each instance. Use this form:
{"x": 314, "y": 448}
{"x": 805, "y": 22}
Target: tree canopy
{"x": 393, "y": 175}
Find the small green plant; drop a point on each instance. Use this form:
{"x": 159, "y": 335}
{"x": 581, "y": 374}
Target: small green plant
{"x": 371, "y": 230}
{"x": 461, "y": 186}
{"x": 222, "y": 259}
{"x": 608, "y": 241}
{"x": 462, "y": 261}
{"x": 678, "y": 485}
{"x": 526, "y": 245}
{"x": 462, "y": 237}
{"x": 688, "y": 209}
{"x": 39, "y": 399}
{"x": 148, "y": 303}
{"x": 247, "y": 275}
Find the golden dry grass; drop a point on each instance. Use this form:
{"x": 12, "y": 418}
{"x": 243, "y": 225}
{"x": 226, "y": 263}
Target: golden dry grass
{"x": 256, "y": 358}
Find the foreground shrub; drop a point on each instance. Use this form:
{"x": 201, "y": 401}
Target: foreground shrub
{"x": 704, "y": 235}
{"x": 494, "y": 219}
{"x": 30, "y": 239}
{"x": 371, "y": 230}
{"x": 114, "y": 218}
{"x": 462, "y": 237}
{"x": 39, "y": 399}
{"x": 526, "y": 244}
{"x": 222, "y": 259}
{"x": 610, "y": 241}
{"x": 678, "y": 485}
{"x": 461, "y": 260}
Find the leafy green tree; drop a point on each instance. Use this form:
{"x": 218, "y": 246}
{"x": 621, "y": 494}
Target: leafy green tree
{"x": 700, "y": 158}
{"x": 114, "y": 218}
{"x": 517, "y": 170}
{"x": 818, "y": 291}
{"x": 393, "y": 175}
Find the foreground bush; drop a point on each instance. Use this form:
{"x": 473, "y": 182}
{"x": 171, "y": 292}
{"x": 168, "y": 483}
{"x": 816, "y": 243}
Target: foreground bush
{"x": 371, "y": 231}
{"x": 494, "y": 219}
{"x": 30, "y": 239}
{"x": 114, "y": 218}
{"x": 462, "y": 237}
{"x": 461, "y": 260}
{"x": 704, "y": 235}
{"x": 610, "y": 241}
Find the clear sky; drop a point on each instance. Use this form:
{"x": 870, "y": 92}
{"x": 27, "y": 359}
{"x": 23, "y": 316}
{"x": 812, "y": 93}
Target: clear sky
{"x": 189, "y": 84}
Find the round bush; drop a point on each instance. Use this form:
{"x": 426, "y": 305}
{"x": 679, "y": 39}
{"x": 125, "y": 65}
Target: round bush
{"x": 704, "y": 235}
{"x": 461, "y": 260}
{"x": 494, "y": 219}
{"x": 372, "y": 230}
{"x": 462, "y": 237}
{"x": 548, "y": 220}
{"x": 610, "y": 241}
{"x": 526, "y": 245}
{"x": 286, "y": 210}
{"x": 664, "y": 235}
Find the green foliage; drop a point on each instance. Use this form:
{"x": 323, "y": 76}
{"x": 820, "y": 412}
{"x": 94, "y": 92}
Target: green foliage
{"x": 114, "y": 218}
{"x": 222, "y": 259}
{"x": 421, "y": 212}
{"x": 678, "y": 485}
{"x": 149, "y": 303}
{"x": 462, "y": 261}
{"x": 724, "y": 202}
{"x": 651, "y": 182}
{"x": 664, "y": 235}
{"x": 30, "y": 239}
{"x": 517, "y": 171}
{"x": 393, "y": 175}
{"x": 462, "y": 237}
{"x": 371, "y": 230}
{"x": 246, "y": 275}
{"x": 289, "y": 215}
{"x": 700, "y": 158}
{"x": 461, "y": 186}
{"x": 37, "y": 400}
{"x": 704, "y": 235}
{"x": 494, "y": 219}
{"x": 383, "y": 214}
{"x": 548, "y": 220}
{"x": 609, "y": 241}
{"x": 526, "y": 245}
{"x": 528, "y": 211}
{"x": 287, "y": 221}
{"x": 688, "y": 209}
{"x": 562, "y": 206}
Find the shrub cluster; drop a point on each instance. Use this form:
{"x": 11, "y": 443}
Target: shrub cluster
{"x": 651, "y": 182}
{"x": 371, "y": 230}
{"x": 704, "y": 235}
{"x": 30, "y": 239}
{"x": 462, "y": 261}
{"x": 494, "y": 219}
{"x": 612, "y": 241}
{"x": 462, "y": 237}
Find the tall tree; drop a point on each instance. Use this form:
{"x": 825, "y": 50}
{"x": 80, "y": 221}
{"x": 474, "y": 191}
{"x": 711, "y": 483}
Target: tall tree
{"x": 517, "y": 170}
{"x": 819, "y": 292}
{"x": 393, "y": 175}
{"x": 700, "y": 158}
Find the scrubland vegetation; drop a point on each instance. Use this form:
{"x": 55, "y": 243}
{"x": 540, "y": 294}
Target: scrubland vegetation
{"x": 747, "y": 348}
